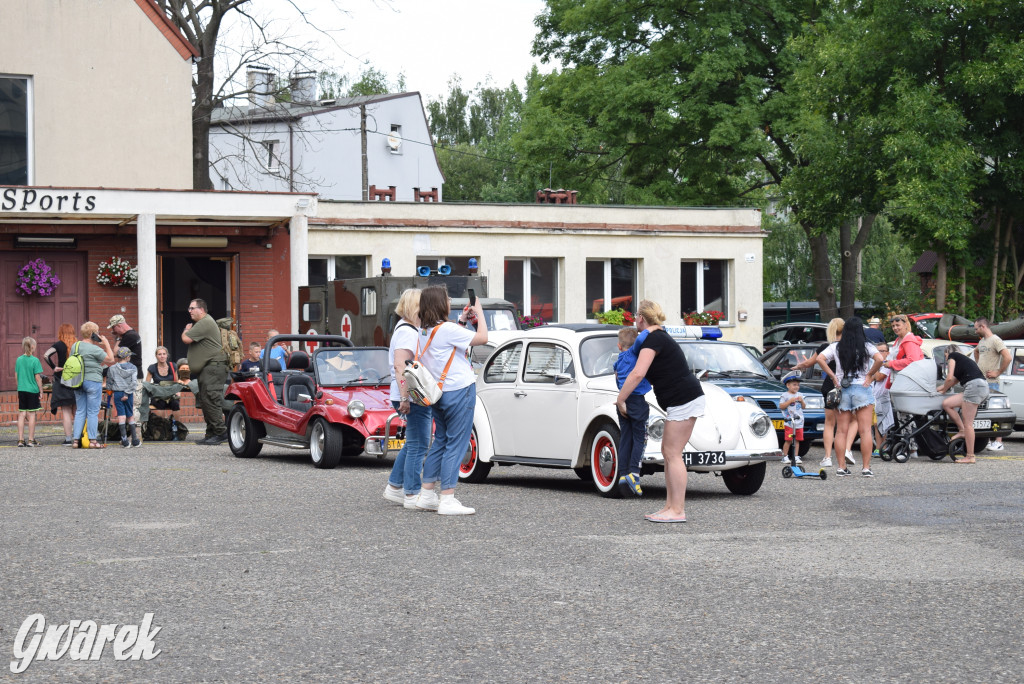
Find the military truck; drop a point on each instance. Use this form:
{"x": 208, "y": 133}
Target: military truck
{"x": 363, "y": 309}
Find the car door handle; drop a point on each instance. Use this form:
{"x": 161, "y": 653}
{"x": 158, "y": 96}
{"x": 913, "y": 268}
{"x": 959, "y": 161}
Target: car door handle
{"x": 519, "y": 393}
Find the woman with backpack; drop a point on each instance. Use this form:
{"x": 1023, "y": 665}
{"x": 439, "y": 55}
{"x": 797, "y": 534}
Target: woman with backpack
{"x": 63, "y": 399}
{"x": 443, "y": 350}
{"x": 89, "y": 393}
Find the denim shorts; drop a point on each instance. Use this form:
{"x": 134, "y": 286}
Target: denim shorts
{"x": 856, "y": 396}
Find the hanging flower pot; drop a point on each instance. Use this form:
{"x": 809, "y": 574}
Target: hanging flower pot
{"x": 36, "y": 278}
{"x": 117, "y": 272}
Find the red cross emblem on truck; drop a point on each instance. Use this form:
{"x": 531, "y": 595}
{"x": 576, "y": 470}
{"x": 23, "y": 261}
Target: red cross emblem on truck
{"x": 346, "y": 325}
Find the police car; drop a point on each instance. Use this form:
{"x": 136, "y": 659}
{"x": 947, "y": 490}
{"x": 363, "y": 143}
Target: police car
{"x": 732, "y": 367}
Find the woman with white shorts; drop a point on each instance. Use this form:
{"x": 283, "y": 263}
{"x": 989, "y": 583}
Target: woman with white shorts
{"x": 679, "y": 394}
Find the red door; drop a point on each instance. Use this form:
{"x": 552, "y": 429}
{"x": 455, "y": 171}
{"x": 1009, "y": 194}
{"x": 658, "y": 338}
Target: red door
{"x": 35, "y": 316}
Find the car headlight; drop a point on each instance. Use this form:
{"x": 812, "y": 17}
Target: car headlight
{"x": 656, "y": 429}
{"x": 759, "y": 423}
{"x": 356, "y": 409}
{"x": 999, "y": 402}
{"x": 814, "y": 402}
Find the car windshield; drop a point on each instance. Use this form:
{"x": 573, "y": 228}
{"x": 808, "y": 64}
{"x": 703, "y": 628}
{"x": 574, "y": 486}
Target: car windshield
{"x": 598, "y": 354}
{"x": 343, "y": 367}
{"x": 722, "y": 360}
{"x": 497, "y": 319}
{"x": 928, "y": 325}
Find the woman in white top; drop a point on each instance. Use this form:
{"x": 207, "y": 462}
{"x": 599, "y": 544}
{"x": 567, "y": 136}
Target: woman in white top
{"x": 857, "y": 361}
{"x": 404, "y": 484}
{"x": 444, "y": 351}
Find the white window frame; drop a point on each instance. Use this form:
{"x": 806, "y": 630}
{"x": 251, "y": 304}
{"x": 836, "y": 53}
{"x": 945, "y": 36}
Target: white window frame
{"x": 331, "y": 266}
{"x": 607, "y": 285}
{"x": 700, "y": 287}
{"x": 273, "y": 148}
{"x": 528, "y": 284}
{"x": 29, "y": 128}
{"x": 396, "y": 131}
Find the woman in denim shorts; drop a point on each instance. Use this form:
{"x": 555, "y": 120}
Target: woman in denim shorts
{"x": 962, "y": 369}
{"x": 857, "y": 361}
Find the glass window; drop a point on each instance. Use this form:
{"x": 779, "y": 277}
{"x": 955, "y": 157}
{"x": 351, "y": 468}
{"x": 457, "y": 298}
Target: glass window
{"x": 598, "y": 355}
{"x": 312, "y": 312}
{"x": 349, "y": 266}
{"x": 544, "y": 362}
{"x": 531, "y": 284}
{"x": 460, "y": 265}
{"x": 611, "y": 284}
{"x": 704, "y": 286}
{"x": 14, "y": 134}
{"x": 318, "y": 271}
{"x": 504, "y": 366}
{"x": 369, "y": 301}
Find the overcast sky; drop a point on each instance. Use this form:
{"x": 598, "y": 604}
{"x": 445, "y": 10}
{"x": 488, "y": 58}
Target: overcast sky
{"x": 430, "y": 40}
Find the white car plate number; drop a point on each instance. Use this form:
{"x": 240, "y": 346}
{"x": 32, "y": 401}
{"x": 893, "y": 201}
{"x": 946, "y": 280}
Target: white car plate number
{"x": 704, "y": 458}
{"x": 982, "y": 424}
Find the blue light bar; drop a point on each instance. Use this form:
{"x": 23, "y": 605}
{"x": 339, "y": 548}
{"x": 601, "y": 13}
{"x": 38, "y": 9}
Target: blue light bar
{"x": 709, "y": 332}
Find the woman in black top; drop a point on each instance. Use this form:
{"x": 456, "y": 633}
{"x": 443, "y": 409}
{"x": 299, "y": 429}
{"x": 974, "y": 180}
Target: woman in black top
{"x": 678, "y": 393}
{"x": 962, "y": 369}
{"x": 63, "y": 398}
{"x": 164, "y": 371}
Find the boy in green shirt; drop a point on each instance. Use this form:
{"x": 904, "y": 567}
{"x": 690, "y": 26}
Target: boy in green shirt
{"x": 28, "y": 371}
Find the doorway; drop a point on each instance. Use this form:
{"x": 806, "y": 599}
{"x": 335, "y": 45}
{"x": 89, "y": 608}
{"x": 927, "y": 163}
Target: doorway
{"x": 184, "y": 278}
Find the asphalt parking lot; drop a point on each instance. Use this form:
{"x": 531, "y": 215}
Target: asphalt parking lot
{"x": 270, "y": 569}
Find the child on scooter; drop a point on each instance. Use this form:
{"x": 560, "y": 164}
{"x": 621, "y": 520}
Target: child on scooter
{"x": 792, "y": 404}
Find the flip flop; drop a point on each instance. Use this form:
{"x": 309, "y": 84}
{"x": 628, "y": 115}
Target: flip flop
{"x": 664, "y": 520}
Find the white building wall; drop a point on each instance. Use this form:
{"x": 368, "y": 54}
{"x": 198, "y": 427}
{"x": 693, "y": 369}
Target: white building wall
{"x": 657, "y": 238}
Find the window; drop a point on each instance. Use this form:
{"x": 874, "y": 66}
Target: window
{"x": 1017, "y": 367}
{"x": 704, "y": 286}
{"x": 369, "y": 301}
{"x": 273, "y": 154}
{"x": 15, "y": 131}
{"x": 504, "y": 366}
{"x": 312, "y": 312}
{"x": 394, "y": 140}
{"x": 611, "y": 284}
{"x": 458, "y": 264}
{"x": 317, "y": 274}
{"x": 544, "y": 362}
{"x": 349, "y": 266}
{"x": 532, "y": 285}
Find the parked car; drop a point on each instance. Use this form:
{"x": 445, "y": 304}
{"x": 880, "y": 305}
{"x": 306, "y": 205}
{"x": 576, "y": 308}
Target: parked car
{"x": 546, "y": 398}
{"x": 794, "y": 333}
{"x": 1011, "y": 382}
{"x": 334, "y": 403}
{"x": 783, "y": 359}
{"x": 732, "y": 367}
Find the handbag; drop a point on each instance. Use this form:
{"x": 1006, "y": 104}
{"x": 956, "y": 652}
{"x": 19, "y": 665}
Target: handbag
{"x": 424, "y": 390}
{"x": 832, "y": 399}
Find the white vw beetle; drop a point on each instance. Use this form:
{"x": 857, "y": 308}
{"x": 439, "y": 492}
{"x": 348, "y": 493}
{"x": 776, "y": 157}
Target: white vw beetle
{"x": 546, "y": 398}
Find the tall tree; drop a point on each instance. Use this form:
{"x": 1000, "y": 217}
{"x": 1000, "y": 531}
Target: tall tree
{"x": 202, "y": 22}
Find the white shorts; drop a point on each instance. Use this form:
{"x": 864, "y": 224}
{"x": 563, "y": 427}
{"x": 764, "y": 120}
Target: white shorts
{"x": 692, "y": 409}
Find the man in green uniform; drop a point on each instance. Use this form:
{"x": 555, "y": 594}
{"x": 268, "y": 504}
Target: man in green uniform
{"x": 208, "y": 364}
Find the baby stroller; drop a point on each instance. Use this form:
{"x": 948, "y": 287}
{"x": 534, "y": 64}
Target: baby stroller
{"x": 919, "y": 416}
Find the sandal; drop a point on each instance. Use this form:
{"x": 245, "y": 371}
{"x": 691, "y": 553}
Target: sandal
{"x": 76, "y": 444}
{"x": 97, "y": 445}
{"x": 33, "y": 443}
{"x": 21, "y": 443}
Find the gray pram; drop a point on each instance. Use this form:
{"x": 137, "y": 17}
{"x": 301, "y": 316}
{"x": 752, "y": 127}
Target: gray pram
{"x": 917, "y": 407}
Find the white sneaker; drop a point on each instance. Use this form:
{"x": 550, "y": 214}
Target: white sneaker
{"x": 799, "y": 461}
{"x": 410, "y": 502}
{"x": 449, "y": 505}
{"x": 786, "y": 461}
{"x": 427, "y": 500}
{"x": 826, "y": 462}
{"x": 394, "y": 495}
{"x": 849, "y": 458}
{"x": 994, "y": 446}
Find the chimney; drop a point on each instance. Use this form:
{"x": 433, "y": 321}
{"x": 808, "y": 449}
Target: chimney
{"x": 260, "y": 83}
{"x": 303, "y": 87}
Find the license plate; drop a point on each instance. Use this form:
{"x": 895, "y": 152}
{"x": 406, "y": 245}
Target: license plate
{"x": 395, "y": 444}
{"x": 779, "y": 424}
{"x": 704, "y": 458}
{"x": 982, "y": 424}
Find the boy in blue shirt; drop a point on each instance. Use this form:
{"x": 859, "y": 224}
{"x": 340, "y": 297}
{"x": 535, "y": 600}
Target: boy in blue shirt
{"x": 792, "y": 404}
{"x": 633, "y": 425}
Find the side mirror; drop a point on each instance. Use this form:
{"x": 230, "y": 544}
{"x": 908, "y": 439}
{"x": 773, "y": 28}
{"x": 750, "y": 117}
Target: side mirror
{"x": 563, "y": 379}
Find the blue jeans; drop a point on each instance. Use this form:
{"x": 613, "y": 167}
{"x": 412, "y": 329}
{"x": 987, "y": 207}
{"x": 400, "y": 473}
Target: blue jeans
{"x": 633, "y": 434}
{"x": 453, "y": 427}
{"x": 124, "y": 405}
{"x": 87, "y": 408}
{"x": 409, "y": 462}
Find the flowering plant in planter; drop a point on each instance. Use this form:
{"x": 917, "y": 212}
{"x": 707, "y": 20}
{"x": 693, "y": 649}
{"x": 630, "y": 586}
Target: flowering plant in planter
{"x": 36, "y": 277}
{"x": 703, "y": 317}
{"x": 532, "y": 321}
{"x": 615, "y": 317}
{"x": 117, "y": 272}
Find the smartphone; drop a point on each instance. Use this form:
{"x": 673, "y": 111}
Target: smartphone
{"x": 96, "y": 338}
{"x": 472, "y": 297}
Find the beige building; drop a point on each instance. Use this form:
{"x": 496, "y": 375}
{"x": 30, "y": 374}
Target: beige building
{"x": 561, "y": 262}
{"x": 104, "y": 87}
